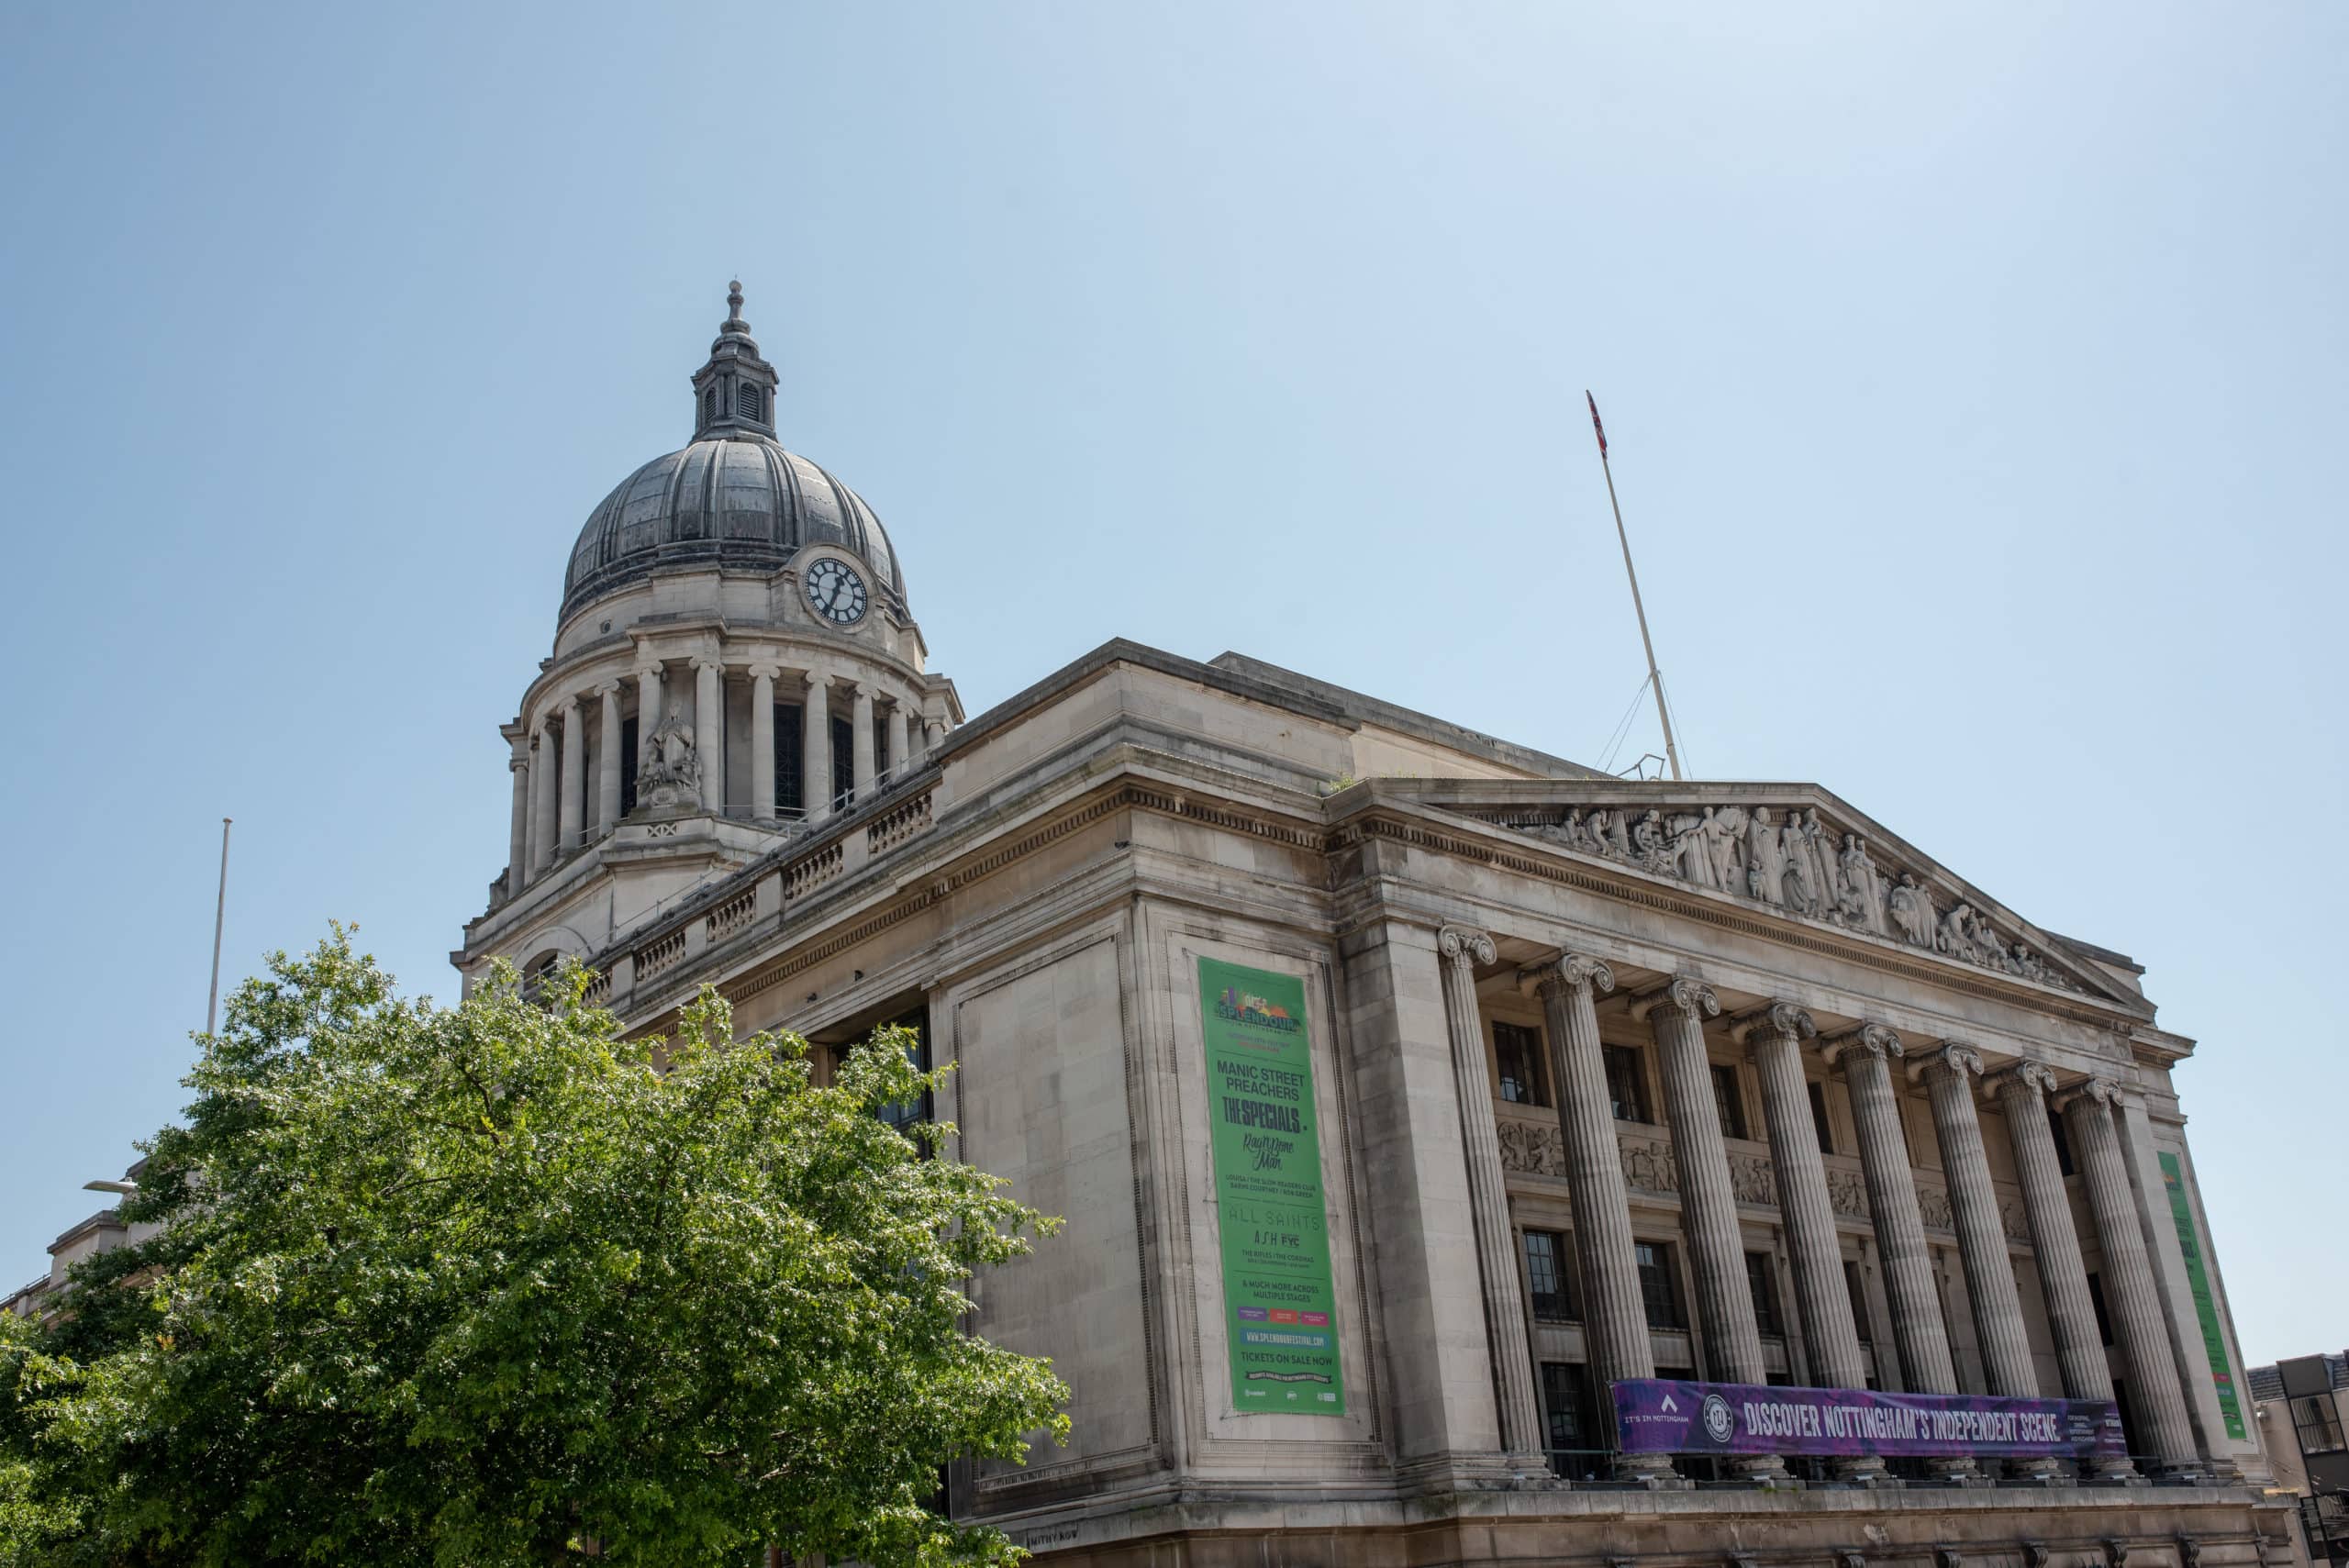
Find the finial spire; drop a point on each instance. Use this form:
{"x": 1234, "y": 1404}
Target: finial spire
{"x": 734, "y": 305}
{"x": 734, "y": 393}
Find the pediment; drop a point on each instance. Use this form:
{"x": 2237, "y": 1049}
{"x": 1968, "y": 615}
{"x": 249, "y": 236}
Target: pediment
{"x": 1793, "y": 850}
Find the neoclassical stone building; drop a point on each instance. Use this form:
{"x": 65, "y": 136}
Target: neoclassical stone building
{"x": 1570, "y": 1079}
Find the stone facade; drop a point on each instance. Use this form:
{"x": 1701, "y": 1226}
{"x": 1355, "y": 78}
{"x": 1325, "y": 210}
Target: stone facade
{"x": 1542, "y": 1003}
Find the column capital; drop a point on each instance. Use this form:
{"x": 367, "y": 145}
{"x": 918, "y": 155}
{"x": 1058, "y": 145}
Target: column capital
{"x": 1951, "y": 1057}
{"x": 610, "y": 688}
{"x": 1683, "y": 995}
{"x": 650, "y": 670}
{"x": 1781, "y": 1018}
{"x": 569, "y": 702}
{"x": 2035, "y": 1080}
{"x": 1465, "y": 946}
{"x": 1877, "y": 1040}
{"x": 518, "y": 762}
{"x": 2093, "y": 1091}
{"x": 762, "y": 670}
{"x": 1569, "y": 971}
{"x": 709, "y": 662}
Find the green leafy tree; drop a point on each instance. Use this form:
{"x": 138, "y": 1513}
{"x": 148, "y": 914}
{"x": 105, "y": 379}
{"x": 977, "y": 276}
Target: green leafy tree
{"x": 491, "y": 1285}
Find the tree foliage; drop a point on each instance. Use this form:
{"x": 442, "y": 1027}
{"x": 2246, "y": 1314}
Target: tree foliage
{"x": 490, "y": 1284}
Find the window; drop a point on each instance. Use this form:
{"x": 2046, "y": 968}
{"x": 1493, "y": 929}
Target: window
{"x": 919, "y": 1109}
{"x": 627, "y": 765}
{"x": 709, "y": 403}
{"x": 746, "y": 401}
{"x": 2063, "y": 1140}
{"x": 2318, "y": 1424}
{"x": 1819, "y": 1116}
{"x": 843, "y": 761}
{"x": 2095, "y": 1299}
{"x": 1518, "y": 1051}
{"x": 1859, "y": 1302}
{"x": 1729, "y": 1102}
{"x": 1566, "y": 1407}
{"x": 1549, "y": 1276}
{"x": 1659, "y": 1285}
{"x": 790, "y": 769}
{"x": 880, "y": 749}
{"x": 1625, "y": 1086}
{"x": 1762, "y": 1283}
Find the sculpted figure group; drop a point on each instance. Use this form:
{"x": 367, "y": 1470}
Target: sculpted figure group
{"x": 1792, "y": 861}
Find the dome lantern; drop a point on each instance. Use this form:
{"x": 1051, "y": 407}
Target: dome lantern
{"x": 734, "y": 391}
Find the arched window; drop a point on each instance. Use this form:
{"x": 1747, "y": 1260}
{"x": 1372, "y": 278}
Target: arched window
{"x": 709, "y": 403}
{"x": 746, "y": 401}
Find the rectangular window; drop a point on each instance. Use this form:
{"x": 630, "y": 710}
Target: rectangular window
{"x": 1819, "y": 1117}
{"x": 1566, "y": 1407}
{"x": 2063, "y": 1140}
{"x": 790, "y": 771}
{"x": 1859, "y": 1302}
{"x": 628, "y": 766}
{"x": 1729, "y": 1101}
{"x": 1762, "y": 1283}
{"x": 919, "y": 1109}
{"x": 1516, "y": 1050}
{"x": 1659, "y": 1285}
{"x": 2095, "y": 1299}
{"x": 1549, "y": 1276}
{"x": 843, "y": 761}
{"x": 1625, "y": 1085}
{"x": 2318, "y": 1424}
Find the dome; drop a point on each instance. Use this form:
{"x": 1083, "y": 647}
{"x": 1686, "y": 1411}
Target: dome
{"x": 738, "y": 501}
{"x": 732, "y": 498}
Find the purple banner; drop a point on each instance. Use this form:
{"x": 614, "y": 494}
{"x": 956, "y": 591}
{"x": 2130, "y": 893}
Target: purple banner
{"x": 1662, "y": 1414}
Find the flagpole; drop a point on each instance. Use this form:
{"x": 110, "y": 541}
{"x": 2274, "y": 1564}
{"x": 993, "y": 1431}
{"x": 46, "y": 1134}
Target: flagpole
{"x": 219, "y": 915}
{"x": 1656, "y": 677}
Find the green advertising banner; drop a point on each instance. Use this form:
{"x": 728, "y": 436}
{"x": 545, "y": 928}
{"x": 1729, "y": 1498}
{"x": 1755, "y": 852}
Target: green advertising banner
{"x": 2214, "y": 1344}
{"x": 1279, "y": 1308}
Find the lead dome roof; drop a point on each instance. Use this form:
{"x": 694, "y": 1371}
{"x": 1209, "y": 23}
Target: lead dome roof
{"x": 733, "y": 497}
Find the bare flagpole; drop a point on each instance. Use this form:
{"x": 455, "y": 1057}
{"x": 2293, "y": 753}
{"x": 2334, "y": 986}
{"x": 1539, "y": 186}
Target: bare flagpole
{"x": 219, "y": 915}
{"x": 1656, "y": 677}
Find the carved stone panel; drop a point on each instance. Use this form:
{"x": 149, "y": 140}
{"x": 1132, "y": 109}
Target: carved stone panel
{"x": 1533, "y": 1148}
{"x": 1648, "y": 1164}
{"x": 1753, "y": 1179}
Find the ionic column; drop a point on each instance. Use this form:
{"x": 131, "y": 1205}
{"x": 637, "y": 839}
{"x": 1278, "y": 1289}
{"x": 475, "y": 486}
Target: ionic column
{"x": 1948, "y": 1076}
{"x": 1518, "y": 1408}
{"x": 861, "y": 748}
{"x": 518, "y": 835}
{"x": 1917, "y": 1327}
{"x": 542, "y": 802}
{"x": 709, "y": 731}
{"x": 900, "y": 762}
{"x": 1773, "y": 1036}
{"x": 608, "y": 760}
{"x": 1615, "y": 1323}
{"x": 933, "y": 734}
{"x": 816, "y": 746}
{"x": 916, "y": 738}
{"x": 574, "y": 767}
{"x": 2062, "y": 1275}
{"x": 762, "y": 741}
{"x": 2131, "y": 1292}
{"x": 648, "y": 711}
{"x": 1676, "y": 1016}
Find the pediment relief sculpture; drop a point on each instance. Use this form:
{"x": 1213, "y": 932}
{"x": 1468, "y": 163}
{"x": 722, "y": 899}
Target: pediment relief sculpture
{"x": 1789, "y": 859}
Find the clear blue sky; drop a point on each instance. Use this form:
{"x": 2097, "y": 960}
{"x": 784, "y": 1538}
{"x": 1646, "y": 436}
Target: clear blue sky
{"x": 1975, "y": 380}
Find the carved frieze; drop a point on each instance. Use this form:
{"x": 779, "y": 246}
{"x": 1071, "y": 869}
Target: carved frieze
{"x": 1788, "y": 858}
{"x": 1848, "y": 1193}
{"x": 1533, "y": 1148}
{"x": 1752, "y": 1178}
{"x": 1649, "y": 1165}
{"x": 1933, "y": 1207}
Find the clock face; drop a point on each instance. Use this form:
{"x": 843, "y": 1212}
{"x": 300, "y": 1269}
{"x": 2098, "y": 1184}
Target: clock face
{"x": 836, "y": 592}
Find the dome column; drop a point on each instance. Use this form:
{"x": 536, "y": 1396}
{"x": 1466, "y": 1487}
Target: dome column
{"x": 762, "y": 742}
{"x": 542, "y": 802}
{"x": 900, "y": 757}
{"x": 709, "y": 731}
{"x": 574, "y": 767}
{"x": 517, "y": 850}
{"x": 816, "y": 748}
{"x": 608, "y": 760}
{"x": 861, "y": 755}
